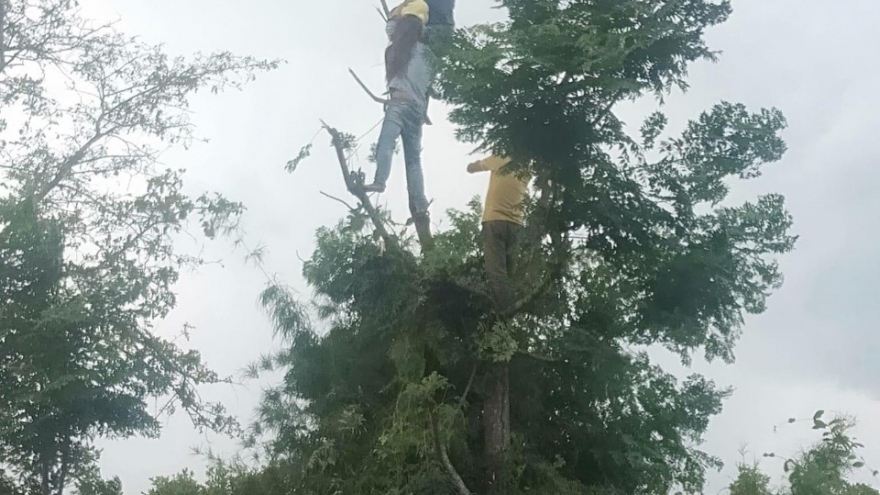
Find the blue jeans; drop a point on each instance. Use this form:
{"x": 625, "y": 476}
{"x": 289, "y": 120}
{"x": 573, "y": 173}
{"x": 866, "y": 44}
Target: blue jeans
{"x": 403, "y": 119}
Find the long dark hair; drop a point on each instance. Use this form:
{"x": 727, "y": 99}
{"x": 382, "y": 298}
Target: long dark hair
{"x": 406, "y": 34}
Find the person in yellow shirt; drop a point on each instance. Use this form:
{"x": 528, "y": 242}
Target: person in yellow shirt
{"x": 502, "y": 223}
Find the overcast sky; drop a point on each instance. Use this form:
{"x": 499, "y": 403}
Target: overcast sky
{"x": 816, "y": 60}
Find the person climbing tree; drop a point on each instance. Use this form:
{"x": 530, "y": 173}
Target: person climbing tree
{"x": 502, "y": 222}
{"x": 409, "y": 73}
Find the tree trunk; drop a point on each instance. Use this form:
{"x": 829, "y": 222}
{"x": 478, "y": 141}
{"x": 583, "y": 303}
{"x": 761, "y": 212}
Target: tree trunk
{"x": 2, "y": 35}
{"x": 496, "y": 429}
{"x": 44, "y": 477}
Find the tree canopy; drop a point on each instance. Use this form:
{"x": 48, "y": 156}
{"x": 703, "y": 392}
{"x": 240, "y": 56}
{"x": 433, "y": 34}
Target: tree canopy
{"x": 631, "y": 243}
{"x": 88, "y": 220}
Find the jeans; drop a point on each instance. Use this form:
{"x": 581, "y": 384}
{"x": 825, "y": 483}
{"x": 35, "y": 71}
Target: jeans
{"x": 403, "y": 119}
{"x": 438, "y": 37}
{"x": 499, "y": 246}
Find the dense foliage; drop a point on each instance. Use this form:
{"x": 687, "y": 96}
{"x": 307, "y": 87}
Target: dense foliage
{"x": 824, "y": 468}
{"x": 87, "y": 226}
{"x": 629, "y": 245}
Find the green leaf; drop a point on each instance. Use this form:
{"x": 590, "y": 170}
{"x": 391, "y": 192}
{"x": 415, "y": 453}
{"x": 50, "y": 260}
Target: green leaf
{"x": 304, "y": 153}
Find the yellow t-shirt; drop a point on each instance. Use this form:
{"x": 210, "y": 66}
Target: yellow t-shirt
{"x": 418, "y": 8}
{"x": 504, "y": 200}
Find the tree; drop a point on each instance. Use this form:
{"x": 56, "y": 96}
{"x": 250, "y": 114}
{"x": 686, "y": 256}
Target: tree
{"x": 88, "y": 218}
{"x": 224, "y": 478}
{"x": 181, "y": 484}
{"x": 91, "y": 483}
{"x": 411, "y": 385}
{"x": 820, "y": 470}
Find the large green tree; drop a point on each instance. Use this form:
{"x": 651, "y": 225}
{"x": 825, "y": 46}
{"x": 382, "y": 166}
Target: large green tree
{"x": 88, "y": 220}
{"x": 409, "y": 384}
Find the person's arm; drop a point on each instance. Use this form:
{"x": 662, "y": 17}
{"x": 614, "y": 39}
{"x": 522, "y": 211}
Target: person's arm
{"x": 490, "y": 164}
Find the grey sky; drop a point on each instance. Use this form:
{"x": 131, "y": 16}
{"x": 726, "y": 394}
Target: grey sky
{"x": 814, "y": 348}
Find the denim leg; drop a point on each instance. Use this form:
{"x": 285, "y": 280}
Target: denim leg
{"x": 392, "y": 127}
{"x": 412, "y": 154}
{"x": 439, "y": 38}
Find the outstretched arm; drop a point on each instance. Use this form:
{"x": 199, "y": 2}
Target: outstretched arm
{"x": 490, "y": 164}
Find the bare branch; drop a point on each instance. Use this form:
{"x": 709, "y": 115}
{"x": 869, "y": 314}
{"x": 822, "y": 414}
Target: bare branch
{"x": 366, "y": 89}
{"x": 356, "y": 189}
{"x": 440, "y": 450}
{"x": 66, "y": 167}
{"x": 386, "y": 9}
{"x": 352, "y": 208}
{"x": 376, "y": 98}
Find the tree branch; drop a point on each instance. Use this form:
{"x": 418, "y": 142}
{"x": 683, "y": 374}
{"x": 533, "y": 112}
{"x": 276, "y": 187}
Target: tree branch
{"x": 65, "y": 466}
{"x": 334, "y": 198}
{"x": 440, "y": 450}
{"x": 607, "y": 108}
{"x": 539, "y": 357}
{"x": 356, "y": 189}
{"x": 467, "y": 388}
{"x": 2, "y": 35}
{"x": 386, "y": 9}
{"x": 375, "y": 98}
{"x": 366, "y": 89}
{"x": 557, "y": 265}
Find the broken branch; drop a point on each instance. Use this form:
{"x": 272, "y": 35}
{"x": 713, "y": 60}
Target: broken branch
{"x": 386, "y": 9}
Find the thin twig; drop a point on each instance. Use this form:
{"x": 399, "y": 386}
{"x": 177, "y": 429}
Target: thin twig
{"x": 334, "y": 198}
{"x": 440, "y": 450}
{"x": 381, "y": 14}
{"x": 386, "y": 9}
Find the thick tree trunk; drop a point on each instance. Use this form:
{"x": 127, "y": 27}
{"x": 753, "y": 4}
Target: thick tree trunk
{"x": 496, "y": 429}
